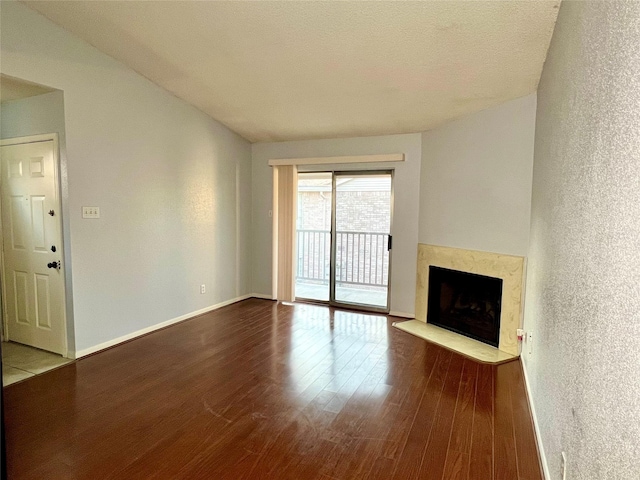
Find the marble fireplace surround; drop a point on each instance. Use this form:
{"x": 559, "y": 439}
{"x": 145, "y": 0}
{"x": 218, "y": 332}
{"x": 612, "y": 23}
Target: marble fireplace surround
{"x": 507, "y": 267}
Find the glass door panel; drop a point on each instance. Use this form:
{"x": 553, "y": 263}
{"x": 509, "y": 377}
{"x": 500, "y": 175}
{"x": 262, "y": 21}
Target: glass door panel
{"x": 313, "y": 230}
{"x": 362, "y": 228}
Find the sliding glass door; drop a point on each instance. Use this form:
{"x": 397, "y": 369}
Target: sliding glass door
{"x": 343, "y": 238}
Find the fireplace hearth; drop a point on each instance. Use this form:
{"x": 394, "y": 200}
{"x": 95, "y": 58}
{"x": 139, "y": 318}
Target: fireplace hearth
{"x": 465, "y": 303}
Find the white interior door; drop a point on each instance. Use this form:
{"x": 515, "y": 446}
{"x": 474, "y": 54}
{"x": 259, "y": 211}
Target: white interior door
{"x": 32, "y": 246}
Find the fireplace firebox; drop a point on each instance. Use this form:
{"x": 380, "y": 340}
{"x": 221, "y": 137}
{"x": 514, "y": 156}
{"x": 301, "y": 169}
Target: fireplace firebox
{"x": 465, "y": 303}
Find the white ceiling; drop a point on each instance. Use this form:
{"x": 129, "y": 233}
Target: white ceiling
{"x": 16, "y": 89}
{"x": 276, "y": 71}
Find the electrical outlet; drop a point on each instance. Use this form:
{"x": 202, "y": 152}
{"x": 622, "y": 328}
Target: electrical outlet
{"x": 202, "y": 288}
{"x": 563, "y": 466}
{"x": 530, "y": 342}
{"x": 90, "y": 212}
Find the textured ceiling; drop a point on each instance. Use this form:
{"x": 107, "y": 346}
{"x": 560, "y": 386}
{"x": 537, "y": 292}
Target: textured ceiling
{"x": 297, "y": 70}
{"x": 15, "y": 89}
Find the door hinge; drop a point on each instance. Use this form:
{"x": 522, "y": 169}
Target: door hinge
{"x": 389, "y": 242}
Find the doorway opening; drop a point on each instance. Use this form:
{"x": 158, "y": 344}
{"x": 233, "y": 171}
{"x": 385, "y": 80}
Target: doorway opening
{"x": 35, "y": 278}
{"x": 343, "y": 238}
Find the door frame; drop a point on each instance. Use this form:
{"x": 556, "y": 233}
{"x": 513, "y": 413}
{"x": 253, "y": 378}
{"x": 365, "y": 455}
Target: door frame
{"x": 332, "y": 302}
{"x": 56, "y": 164}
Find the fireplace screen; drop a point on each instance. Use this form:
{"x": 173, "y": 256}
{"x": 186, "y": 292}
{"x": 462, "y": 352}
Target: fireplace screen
{"x": 465, "y": 303}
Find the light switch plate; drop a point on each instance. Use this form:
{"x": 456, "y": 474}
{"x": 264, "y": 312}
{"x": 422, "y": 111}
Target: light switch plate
{"x": 90, "y": 212}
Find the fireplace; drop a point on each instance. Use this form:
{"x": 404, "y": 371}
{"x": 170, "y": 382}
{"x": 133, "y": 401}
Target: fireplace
{"x": 465, "y": 303}
{"x": 508, "y": 268}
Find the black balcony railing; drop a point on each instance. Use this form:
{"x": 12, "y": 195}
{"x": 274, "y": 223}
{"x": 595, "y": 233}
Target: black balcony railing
{"x": 362, "y": 258}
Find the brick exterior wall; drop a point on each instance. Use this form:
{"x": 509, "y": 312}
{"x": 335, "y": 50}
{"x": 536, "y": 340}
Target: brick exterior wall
{"x": 359, "y": 258}
{"x": 314, "y": 211}
{"x": 352, "y": 217}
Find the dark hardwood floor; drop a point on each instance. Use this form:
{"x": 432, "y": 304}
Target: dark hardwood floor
{"x": 263, "y": 391}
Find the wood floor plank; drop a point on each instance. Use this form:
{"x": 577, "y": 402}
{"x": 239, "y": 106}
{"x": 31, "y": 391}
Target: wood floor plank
{"x": 481, "y": 447}
{"x": 435, "y": 452}
{"x": 386, "y": 436}
{"x": 505, "y": 465}
{"x": 456, "y": 466}
{"x": 263, "y": 390}
{"x": 423, "y": 419}
{"x": 406, "y": 411}
{"x": 457, "y": 463}
{"x": 463, "y": 418}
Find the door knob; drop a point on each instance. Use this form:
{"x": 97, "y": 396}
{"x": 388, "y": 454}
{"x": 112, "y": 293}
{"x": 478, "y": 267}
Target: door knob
{"x": 53, "y": 265}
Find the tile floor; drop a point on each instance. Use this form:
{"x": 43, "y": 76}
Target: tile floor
{"x": 20, "y": 362}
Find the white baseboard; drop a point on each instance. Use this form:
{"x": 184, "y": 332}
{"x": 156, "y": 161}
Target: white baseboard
{"x": 402, "y": 314}
{"x": 157, "y": 326}
{"x": 262, "y": 296}
{"x": 543, "y": 457}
